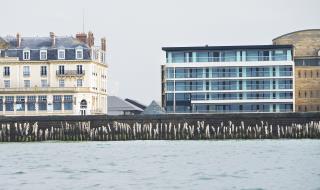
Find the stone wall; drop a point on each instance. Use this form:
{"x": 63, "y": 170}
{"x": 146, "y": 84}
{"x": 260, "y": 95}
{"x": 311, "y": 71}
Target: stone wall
{"x": 161, "y": 127}
{"x": 306, "y": 42}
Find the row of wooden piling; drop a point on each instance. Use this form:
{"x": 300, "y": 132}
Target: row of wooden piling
{"x": 82, "y": 131}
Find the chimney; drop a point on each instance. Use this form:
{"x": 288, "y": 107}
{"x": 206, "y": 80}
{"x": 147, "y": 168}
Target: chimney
{"x": 103, "y": 44}
{"x": 82, "y": 37}
{"x": 18, "y": 40}
{"x": 90, "y": 40}
{"x": 53, "y": 39}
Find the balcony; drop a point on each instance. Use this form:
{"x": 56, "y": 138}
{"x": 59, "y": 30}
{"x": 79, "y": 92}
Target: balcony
{"x": 70, "y": 73}
{"x": 183, "y": 59}
{"x": 45, "y": 90}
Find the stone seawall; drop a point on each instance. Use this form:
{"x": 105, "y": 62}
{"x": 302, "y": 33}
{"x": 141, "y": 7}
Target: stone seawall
{"x": 161, "y": 127}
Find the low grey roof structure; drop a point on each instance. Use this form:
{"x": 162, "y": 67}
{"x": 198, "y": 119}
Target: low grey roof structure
{"x": 153, "y": 109}
{"x": 136, "y": 103}
{"x": 117, "y": 106}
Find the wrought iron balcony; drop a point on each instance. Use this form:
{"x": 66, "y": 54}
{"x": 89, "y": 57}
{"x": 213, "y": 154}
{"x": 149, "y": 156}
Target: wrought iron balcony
{"x": 66, "y": 73}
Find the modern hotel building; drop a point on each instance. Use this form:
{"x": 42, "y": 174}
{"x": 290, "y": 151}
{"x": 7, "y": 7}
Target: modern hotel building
{"x": 207, "y": 79}
{"x": 52, "y": 75}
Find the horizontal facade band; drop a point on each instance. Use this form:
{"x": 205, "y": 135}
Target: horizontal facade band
{"x": 32, "y": 90}
{"x": 225, "y": 91}
{"x": 230, "y": 64}
{"x": 242, "y": 101}
{"x": 229, "y": 78}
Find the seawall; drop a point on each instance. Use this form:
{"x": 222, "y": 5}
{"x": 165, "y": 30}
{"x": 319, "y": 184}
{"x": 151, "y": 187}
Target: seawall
{"x": 161, "y": 127}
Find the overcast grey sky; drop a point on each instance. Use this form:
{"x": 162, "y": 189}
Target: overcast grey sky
{"x": 137, "y": 29}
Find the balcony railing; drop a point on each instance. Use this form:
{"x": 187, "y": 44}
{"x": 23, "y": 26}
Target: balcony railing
{"x": 70, "y": 73}
{"x": 227, "y": 59}
{"x": 46, "y": 89}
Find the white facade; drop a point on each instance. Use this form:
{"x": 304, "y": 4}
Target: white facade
{"x": 89, "y": 85}
{"x": 228, "y": 79}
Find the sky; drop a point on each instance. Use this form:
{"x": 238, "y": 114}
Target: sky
{"x": 136, "y": 30}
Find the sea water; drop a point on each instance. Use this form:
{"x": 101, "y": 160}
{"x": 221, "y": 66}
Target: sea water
{"x": 227, "y": 164}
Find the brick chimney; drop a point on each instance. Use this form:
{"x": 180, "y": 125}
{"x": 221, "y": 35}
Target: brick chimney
{"x": 18, "y": 40}
{"x": 90, "y": 40}
{"x": 82, "y": 37}
{"x": 103, "y": 44}
{"x": 53, "y": 39}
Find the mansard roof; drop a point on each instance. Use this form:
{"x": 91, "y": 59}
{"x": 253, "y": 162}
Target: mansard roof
{"x": 45, "y": 42}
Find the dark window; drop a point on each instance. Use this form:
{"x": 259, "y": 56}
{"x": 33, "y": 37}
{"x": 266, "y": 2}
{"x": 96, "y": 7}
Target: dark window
{"x": 9, "y": 103}
{"x": 43, "y": 71}
{"x": 57, "y": 102}
{"x": 42, "y": 102}
{"x": 6, "y": 71}
{"x": 79, "y": 69}
{"x": 61, "y": 69}
{"x": 68, "y": 102}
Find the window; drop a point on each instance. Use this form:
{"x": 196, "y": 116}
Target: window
{"x": 26, "y": 71}
{"x": 177, "y": 57}
{"x": 61, "y": 83}
{"x": 252, "y": 55}
{"x": 279, "y": 55}
{"x": 79, "y": 53}
{"x": 7, "y": 83}
{"x": 31, "y": 104}
{"x": 9, "y": 103}
{"x": 20, "y": 103}
{"x": 26, "y": 83}
{"x": 6, "y": 71}
{"x": 79, "y": 82}
{"x": 42, "y": 103}
{"x": 1, "y": 103}
{"x": 202, "y": 56}
{"x": 102, "y": 57}
{"x": 43, "y": 54}
{"x": 43, "y": 71}
{"x": 285, "y": 84}
{"x": 228, "y": 56}
{"x": 61, "y": 54}
{"x": 26, "y": 55}
{"x": 44, "y": 83}
{"x": 61, "y": 69}
{"x": 79, "y": 69}
{"x": 68, "y": 102}
{"x": 57, "y": 102}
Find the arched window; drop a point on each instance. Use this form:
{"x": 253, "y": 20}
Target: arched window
{"x": 83, "y": 104}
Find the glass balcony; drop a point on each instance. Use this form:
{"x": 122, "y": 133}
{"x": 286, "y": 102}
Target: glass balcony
{"x": 183, "y": 59}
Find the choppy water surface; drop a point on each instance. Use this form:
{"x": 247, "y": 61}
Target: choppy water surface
{"x": 251, "y": 164}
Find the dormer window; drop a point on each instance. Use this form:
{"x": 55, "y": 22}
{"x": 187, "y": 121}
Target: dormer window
{"x": 26, "y": 54}
{"x": 79, "y": 53}
{"x": 43, "y": 54}
{"x": 61, "y": 54}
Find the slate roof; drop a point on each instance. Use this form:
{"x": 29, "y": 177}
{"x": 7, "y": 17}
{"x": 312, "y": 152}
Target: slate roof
{"x": 153, "y": 109}
{"x": 117, "y": 104}
{"x": 136, "y": 103}
{"x": 3, "y": 43}
{"x": 45, "y": 42}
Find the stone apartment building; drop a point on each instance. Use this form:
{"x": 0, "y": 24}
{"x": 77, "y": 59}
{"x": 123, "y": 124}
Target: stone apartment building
{"x": 306, "y": 45}
{"x": 53, "y": 75}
